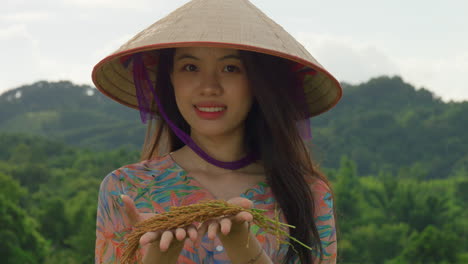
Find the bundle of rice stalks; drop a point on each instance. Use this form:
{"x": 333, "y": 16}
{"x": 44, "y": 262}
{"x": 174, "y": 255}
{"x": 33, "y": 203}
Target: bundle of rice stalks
{"x": 184, "y": 216}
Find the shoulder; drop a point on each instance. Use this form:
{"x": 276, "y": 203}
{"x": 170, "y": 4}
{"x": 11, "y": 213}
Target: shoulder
{"x": 138, "y": 174}
{"x": 322, "y": 194}
{"x": 320, "y": 186}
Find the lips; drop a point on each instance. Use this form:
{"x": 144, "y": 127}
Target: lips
{"x": 209, "y": 104}
{"x": 210, "y": 107}
{"x": 210, "y": 111}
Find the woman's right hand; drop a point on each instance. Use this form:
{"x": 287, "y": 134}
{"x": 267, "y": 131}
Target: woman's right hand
{"x": 160, "y": 246}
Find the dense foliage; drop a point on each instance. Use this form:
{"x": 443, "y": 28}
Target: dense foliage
{"x": 48, "y": 198}
{"x": 77, "y": 115}
{"x": 384, "y": 123}
{"x": 396, "y": 157}
{"x": 397, "y": 219}
{"x": 48, "y": 208}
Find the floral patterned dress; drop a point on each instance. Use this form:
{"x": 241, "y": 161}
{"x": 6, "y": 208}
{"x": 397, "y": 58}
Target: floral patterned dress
{"x": 157, "y": 184}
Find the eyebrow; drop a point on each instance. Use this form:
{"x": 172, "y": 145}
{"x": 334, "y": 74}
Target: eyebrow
{"x": 188, "y": 56}
{"x": 231, "y": 56}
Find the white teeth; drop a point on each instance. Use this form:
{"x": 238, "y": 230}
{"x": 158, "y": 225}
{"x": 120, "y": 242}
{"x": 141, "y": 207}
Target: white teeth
{"x": 211, "y": 109}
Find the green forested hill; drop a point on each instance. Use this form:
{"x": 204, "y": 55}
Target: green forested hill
{"x": 48, "y": 199}
{"x": 388, "y": 124}
{"x": 384, "y": 123}
{"x": 77, "y": 115}
{"x": 49, "y": 193}
{"x": 396, "y": 158}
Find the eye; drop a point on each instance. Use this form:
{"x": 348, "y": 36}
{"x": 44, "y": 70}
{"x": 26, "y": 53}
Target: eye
{"x": 231, "y": 68}
{"x": 190, "y": 68}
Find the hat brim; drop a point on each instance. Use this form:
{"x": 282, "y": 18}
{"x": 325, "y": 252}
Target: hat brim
{"x": 322, "y": 91}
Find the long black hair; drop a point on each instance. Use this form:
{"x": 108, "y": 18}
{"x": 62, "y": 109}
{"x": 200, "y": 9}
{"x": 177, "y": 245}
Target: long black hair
{"x": 270, "y": 131}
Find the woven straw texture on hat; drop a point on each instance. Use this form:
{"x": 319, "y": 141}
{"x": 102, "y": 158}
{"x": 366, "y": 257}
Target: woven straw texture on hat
{"x": 234, "y": 24}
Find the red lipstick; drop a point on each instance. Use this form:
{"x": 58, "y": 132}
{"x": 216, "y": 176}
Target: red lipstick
{"x": 210, "y": 111}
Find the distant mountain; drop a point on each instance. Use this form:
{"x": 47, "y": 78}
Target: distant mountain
{"x": 77, "y": 115}
{"x": 387, "y": 123}
{"x": 384, "y": 123}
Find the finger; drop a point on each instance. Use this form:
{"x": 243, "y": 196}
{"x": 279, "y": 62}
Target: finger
{"x": 166, "y": 240}
{"x": 130, "y": 209}
{"x": 213, "y": 230}
{"x": 149, "y": 237}
{"x": 242, "y": 202}
{"x": 192, "y": 233}
{"x": 180, "y": 234}
{"x": 243, "y": 217}
{"x": 226, "y": 225}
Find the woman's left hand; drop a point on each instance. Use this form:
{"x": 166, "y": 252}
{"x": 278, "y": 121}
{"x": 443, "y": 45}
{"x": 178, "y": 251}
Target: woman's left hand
{"x": 228, "y": 226}
{"x": 235, "y": 235}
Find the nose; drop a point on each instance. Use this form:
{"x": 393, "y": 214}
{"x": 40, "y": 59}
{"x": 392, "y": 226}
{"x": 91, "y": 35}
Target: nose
{"x": 210, "y": 85}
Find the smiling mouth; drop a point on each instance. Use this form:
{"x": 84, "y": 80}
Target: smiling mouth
{"x": 210, "y": 112}
{"x": 211, "y": 109}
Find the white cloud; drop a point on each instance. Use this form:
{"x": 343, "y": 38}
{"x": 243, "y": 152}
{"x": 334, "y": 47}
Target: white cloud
{"x": 348, "y": 59}
{"x": 112, "y": 4}
{"x": 56, "y": 69}
{"x": 20, "y": 57}
{"x": 26, "y": 17}
{"x": 351, "y": 48}
{"x": 354, "y": 61}
{"x": 13, "y": 31}
{"x": 446, "y": 76}
{"x": 111, "y": 46}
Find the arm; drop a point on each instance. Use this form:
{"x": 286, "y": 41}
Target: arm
{"x": 110, "y": 225}
{"x": 325, "y": 221}
{"x": 117, "y": 214}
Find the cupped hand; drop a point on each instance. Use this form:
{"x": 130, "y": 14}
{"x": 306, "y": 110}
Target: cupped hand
{"x": 228, "y": 225}
{"x": 166, "y": 240}
{"x": 164, "y": 246}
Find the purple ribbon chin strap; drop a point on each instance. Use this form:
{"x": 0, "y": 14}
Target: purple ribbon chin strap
{"x": 143, "y": 85}
{"x": 304, "y": 128}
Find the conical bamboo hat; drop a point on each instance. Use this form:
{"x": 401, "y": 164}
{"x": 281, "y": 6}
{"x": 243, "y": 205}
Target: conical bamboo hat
{"x": 234, "y": 24}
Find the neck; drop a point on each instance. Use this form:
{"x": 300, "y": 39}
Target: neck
{"x": 223, "y": 148}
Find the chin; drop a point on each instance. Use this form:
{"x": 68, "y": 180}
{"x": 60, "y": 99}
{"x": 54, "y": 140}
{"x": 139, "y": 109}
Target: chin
{"x": 211, "y": 132}
{"x": 217, "y": 130}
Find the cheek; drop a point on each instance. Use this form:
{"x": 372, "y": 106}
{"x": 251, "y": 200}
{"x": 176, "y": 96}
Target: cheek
{"x": 181, "y": 104}
{"x": 182, "y": 101}
{"x": 244, "y": 93}
{"x": 181, "y": 92}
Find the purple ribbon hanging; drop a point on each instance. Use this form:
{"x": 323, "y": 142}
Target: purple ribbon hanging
{"x": 144, "y": 86}
{"x": 303, "y": 125}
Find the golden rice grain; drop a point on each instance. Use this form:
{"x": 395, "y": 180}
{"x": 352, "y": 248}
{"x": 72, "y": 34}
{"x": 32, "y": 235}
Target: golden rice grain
{"x": 184, "y": 216}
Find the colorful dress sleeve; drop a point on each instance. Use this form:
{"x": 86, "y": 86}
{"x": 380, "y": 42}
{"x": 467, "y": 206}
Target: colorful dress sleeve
{"x": 111, "y": 225}
{"x": 325, "y": 222}
{"x": 323, "y": 219}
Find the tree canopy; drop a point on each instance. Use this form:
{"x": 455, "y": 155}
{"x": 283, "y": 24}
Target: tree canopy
{"x": 396, "y": 158}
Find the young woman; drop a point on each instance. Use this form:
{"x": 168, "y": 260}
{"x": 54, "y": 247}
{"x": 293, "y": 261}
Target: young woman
{"x": 231, "y": 123}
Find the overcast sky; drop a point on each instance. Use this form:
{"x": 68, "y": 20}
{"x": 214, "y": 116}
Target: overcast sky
{"x": 423, "y": 41}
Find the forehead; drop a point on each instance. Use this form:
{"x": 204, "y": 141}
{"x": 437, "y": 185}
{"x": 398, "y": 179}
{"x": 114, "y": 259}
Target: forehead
{"x": 205, "y": 52}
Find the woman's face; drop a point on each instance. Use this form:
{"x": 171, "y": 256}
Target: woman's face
{"x": 211, "y": 89}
